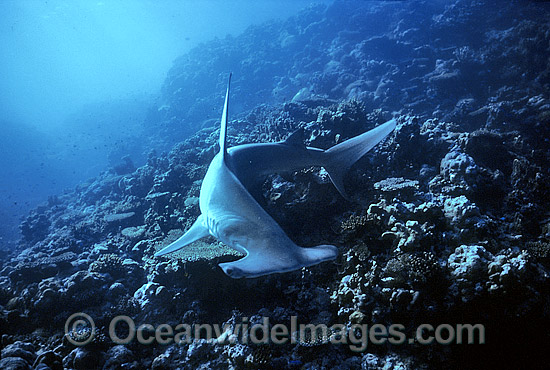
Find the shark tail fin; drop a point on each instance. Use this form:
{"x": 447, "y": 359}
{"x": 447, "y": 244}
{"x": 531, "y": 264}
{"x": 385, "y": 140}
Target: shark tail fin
{"x": 223, "y": 128}
{"x": 341, "y": 157}
{"x": 195, "y": 232}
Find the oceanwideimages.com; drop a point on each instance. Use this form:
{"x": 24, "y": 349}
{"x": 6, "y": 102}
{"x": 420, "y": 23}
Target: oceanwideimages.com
{"x": 80, "y": 330}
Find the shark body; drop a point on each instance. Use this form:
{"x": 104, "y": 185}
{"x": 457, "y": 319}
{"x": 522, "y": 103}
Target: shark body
{"x": 231, "y": 214}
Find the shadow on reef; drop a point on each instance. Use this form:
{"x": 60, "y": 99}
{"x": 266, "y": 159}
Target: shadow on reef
{"x": 447, "y": 222}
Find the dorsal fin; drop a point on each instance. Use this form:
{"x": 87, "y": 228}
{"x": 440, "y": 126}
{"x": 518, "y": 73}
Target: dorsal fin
{"x": 223, "y": 128}
{"x": 296, "y": 138}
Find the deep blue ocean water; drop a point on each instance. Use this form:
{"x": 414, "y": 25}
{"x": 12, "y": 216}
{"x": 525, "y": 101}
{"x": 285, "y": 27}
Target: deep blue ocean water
{"x": 79, "y": 78}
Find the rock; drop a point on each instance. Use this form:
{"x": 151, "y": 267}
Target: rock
{"x": 457, "y": 167}
{"x": 469, "y": 261}
{"x": 303, "y": 94}
{"x": 370, "y": 361}
{"x": 125, "y": 166}
{"x": 237, "y": 353}
{"x": 118, "y": 357}
{"x": 153, "y": 293}
{"x": 110, "y": 264}
{"x": 39, "y": 268}
{"x": 468, "y": 266}
{"x": 199, "y": 350}
{"x": 44, "y": 367}
{"x": 508, "y": 272}
{"x": 161, "y": 362}
{"x": 35, "y": 227}
{"x": 396, "y": 185}
{"x": 133, "y": 232}
{"x": 48, "y": 360}
{"x": 117, "y": 290}
{"x": 120, "y": 219}
{"x": 191, "y": 201}
{"x": 83, "y": 359}
{"x": 85, "y": 288}
{"x": 460, "y": 211}
{"x": 13, "y": 363}
{"x": 20, "y": 349}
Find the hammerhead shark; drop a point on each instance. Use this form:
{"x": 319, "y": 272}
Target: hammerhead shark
{"x": 231, "y": 214}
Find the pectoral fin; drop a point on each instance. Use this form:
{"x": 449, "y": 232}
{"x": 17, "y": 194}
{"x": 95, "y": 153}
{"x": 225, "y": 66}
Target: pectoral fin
{"x": 195, "y": 232}
{"x": 336, "y": 175}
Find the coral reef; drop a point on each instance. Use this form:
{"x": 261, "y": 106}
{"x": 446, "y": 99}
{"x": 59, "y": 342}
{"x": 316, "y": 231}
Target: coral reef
{"x": 447, "y": 223}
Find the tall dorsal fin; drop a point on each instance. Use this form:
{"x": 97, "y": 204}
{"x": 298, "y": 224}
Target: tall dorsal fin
{"x": 223, "y": 128}
{"x": 296, "y": 138}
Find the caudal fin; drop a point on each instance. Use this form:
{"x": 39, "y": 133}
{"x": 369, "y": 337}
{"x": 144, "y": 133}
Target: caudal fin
{"x": 341, "y": 157}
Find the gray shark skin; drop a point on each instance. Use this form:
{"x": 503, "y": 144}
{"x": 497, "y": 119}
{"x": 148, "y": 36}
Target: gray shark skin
{"x": 233, "y": 216}
{"x": 252, "y": 161}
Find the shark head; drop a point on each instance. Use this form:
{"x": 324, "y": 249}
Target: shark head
{"x": 254, "y": 265}
{"x": 321, "y": 253}
{"x": 233, "y": 271}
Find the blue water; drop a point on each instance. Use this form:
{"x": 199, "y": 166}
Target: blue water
{"x": 77, "y": 79}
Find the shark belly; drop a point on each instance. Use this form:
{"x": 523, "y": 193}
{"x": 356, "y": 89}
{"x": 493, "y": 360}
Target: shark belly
{"x": 233, "y": 216}
{"x": 230, "y": 212}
